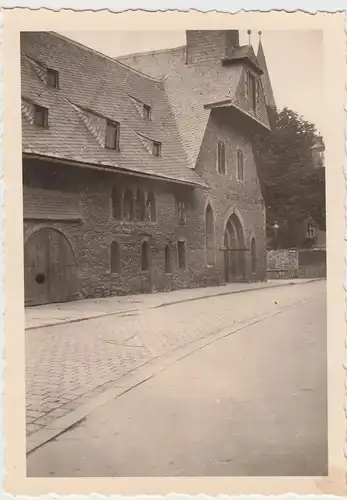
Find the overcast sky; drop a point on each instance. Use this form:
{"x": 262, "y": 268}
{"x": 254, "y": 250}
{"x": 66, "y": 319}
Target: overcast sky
{"x": 294, "y": 59}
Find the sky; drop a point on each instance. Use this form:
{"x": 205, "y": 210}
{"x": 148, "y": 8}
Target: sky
{"x": 294, "y": 60}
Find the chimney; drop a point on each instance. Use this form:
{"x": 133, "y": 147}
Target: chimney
{"x": 210, "y": 46}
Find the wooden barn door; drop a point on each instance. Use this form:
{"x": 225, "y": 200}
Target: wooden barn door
{"x": 50, "y": 268}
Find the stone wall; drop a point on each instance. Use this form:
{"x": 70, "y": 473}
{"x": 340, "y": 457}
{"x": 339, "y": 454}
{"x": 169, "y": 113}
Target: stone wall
{"x": 293, "y": 263}
{"x": 282, "y": 263}
{"x": 85, "y": 218}
{"x": 228, "y": 195}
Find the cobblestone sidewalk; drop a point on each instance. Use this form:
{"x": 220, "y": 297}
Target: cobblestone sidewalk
{"x": 69, "y": 364}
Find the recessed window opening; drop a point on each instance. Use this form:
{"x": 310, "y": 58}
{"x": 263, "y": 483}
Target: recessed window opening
{"x": 40, "y": 116}
{"x": 112, "y": 135}
{"x": 181, "y": 250}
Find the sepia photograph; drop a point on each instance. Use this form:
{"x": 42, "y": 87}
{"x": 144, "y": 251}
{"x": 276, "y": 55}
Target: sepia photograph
{"x": 174, "y": 231}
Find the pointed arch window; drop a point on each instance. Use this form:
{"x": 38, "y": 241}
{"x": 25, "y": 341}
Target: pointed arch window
{"x": 116, "y": 203}
{"x": 167, "y": 259}
{"x": 209, "y": 236}
{"x": 128, "y": 205}
{"x": 150, "y": 208}
{"x": 140, "y": 205}
{"x": 240, "y": 165}
{"x": 145, "y": 256}
{"x": 115, "y": 257}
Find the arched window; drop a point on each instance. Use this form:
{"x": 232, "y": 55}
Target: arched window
{"x": 115, "y": 257}
{"x": 116, "y": 203}
{"x": 254, "y": 256}
{"x": 140, "y": 205}
{"x": 145, "y": 256}
{"x": 209, "y": 235}
{"x": 150, "y": 208}
{"x": 128, "y": 205}
{"x": 167, "y": 259}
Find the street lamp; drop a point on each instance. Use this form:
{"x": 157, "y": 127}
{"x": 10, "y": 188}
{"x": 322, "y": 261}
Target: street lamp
{"x": 275, "y": 228}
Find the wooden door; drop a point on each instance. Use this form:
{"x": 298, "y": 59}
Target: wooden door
{"x": 62, "y": 268}
{"x": 36, "y": 269}
{"x": 50, "y": 268}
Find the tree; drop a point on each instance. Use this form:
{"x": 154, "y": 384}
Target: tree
{"x": 293, "y": 188}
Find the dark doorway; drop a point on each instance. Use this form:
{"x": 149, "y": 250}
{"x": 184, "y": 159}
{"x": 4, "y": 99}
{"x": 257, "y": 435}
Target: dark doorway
{"x": 50, "y": 270}
{"x": 234, "y": 251}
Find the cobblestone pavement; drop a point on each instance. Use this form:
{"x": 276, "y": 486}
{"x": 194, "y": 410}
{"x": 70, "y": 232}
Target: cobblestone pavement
{"x": 67, "y": 365}
{"x": 250, "y": 403}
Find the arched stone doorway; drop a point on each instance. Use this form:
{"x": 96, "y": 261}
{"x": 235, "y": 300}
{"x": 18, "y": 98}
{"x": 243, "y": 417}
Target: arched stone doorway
{"x": 234, "y": 251}
{"x": 50, "y": 270}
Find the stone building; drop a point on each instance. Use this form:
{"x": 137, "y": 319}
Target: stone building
{"x": 136, "y": 180}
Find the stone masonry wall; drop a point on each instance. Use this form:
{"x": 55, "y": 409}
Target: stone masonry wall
{"x": 93, "y": 231}
{"x": 282, "y": 263}
{"x": 228, "y": 195}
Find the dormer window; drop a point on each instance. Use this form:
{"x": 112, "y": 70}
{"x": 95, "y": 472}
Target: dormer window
{"x": 156, "y": 148}
{"x": 112, "y": 135}
{"x": 52, "y": 78}
{"x": 310, "y": 231}
{"x": 147, "y": 112}
{"x": 40, "y": 116}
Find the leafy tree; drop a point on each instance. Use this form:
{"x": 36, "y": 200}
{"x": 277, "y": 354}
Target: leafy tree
{"x": 293, "y": 188}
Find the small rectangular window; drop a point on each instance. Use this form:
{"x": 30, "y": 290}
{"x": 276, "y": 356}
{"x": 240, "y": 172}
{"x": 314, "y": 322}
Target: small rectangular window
{"x": 52, "y": 78}
{"x": 181, "y": 249}
{"x": 221, "y": 158}
{"x": 146, "y": 112}
{"x": 112, "y": 135}
{"x": 40, "y": 116}
{"x": 240, "y": 165}
{"x": 156, "y": 148}
{"x": 115, "y": 257}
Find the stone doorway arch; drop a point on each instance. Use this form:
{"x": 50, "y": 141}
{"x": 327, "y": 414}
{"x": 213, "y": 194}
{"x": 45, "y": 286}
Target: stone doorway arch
{"x": 234, "y": 250}
{"x": 50, "y": 269}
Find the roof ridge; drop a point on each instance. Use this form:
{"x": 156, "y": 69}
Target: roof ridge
{"x": 101, "y": 54}
{"x": 150, "y": 52}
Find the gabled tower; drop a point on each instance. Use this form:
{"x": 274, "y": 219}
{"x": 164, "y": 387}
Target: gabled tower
{"x": 265, "y": 78}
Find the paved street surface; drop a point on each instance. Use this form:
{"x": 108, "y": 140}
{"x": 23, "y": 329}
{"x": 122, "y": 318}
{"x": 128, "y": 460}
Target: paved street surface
{"x": 252, "y": 402}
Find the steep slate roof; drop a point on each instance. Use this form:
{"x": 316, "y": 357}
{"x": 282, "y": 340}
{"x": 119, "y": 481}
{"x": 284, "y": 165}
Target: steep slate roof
{"x": 191, "y": 87}
{"x": 265, "y": 77}
{"x": 94, "y": 87}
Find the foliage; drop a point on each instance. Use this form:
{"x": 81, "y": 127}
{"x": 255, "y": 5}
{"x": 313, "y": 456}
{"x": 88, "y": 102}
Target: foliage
{"x": 293, "y": 188}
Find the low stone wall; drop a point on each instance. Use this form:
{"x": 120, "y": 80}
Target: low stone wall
{"x": 282, "y": 264}
{"x": 293, "y": 263}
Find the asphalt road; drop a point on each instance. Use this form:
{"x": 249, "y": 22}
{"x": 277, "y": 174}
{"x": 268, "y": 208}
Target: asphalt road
{"x": 253, "y": 403}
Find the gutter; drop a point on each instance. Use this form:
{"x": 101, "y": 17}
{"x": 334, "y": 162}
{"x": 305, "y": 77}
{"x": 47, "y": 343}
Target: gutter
{"x": 112, "y": 169}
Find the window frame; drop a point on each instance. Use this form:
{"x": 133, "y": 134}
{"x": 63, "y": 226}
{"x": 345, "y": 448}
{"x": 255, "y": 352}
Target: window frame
{"x": 55, "y": 74}
{"x": 240, "y": 154}
{"x": 37, "y": 109}
{"x": 181, "y": 243}
{"x": 158, "y": 145}
{"x": 310, "y": 231}
{"x": 167, "y": 259}
{"x": 221, "y": 155}
{"x": 146, "y": 111}
{"x": 116, "y": 128}
{"x": 145, "y": 243}
{"x": 118, "y": 266}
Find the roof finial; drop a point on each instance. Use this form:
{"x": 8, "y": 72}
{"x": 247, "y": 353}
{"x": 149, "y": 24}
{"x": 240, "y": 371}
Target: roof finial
{"x": 249, "y": 36}
{"x": 260, "y": 33}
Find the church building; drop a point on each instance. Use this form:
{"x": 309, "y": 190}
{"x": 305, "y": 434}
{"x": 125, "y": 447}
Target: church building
{"x": 138, "y": 172}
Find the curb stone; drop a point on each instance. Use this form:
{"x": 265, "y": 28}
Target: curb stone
{"x": 168, "y": 303}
